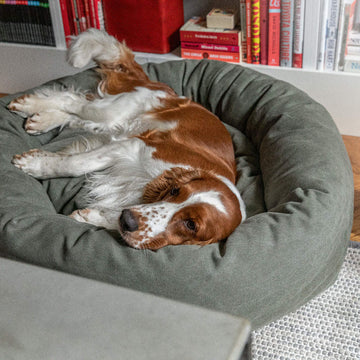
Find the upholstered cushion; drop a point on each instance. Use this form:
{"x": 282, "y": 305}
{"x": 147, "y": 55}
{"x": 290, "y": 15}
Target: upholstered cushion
{"x": 294, "y": 175}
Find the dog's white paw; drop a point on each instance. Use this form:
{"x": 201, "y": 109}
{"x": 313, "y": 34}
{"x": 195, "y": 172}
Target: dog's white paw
{"x": 95, "y": 217}
{"x": 22, "y": 105}
{"x": 90, "y": 216}
{"x": 81, "y": 215}
{"x": 32, "y": 162}
{"x": 43, "y": 122}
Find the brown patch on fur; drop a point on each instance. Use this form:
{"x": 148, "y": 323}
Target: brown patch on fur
{"x": 125, "y": 74}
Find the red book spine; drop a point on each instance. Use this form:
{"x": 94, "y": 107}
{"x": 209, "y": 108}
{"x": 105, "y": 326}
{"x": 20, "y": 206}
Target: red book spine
{"x": 248, "y": 32}
{"x": 211, "y": 55}
{"x": 97, "y": 19}
{"x": 81, "y": 15}
{"x": 264, "y": 17}
{"x": 274, "y": 33}
{"x": 210, "y": 37}
{"x": 65, "y": 20}
{"x": 87, "y": 14}
{"x": 92, "y": 13}
{"x": 75, "y": 17}
{"x": 210, "y": 47}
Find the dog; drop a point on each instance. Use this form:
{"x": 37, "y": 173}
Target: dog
{"x": 160, "y": 167}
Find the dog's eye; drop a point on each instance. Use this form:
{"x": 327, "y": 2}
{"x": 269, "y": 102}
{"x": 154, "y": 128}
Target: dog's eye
{"x": 174, "y": 191}
{"x": 190, "y": 224}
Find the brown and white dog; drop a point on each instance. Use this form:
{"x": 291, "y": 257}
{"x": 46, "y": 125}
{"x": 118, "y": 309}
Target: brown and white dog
{"x": 161, "y": 167}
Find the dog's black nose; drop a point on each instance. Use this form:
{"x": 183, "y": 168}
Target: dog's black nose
{"x": 128, "y": 221}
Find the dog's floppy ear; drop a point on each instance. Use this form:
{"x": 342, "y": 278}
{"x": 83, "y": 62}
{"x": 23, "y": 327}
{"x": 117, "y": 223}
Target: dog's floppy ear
{"x": 175, "y": 177}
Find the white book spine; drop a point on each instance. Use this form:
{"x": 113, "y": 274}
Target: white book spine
{"x": 312, "y": 28}
{"x": 57, "y": 24}
{"x": 340, "y": 35}
{"x": 352, "y": 63}
{"x": 331, "y": 35}
{"x": 322, "y": 34}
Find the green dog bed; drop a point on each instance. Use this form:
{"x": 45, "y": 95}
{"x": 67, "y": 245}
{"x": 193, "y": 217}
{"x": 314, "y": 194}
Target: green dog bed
{"x": 294, "y": 176}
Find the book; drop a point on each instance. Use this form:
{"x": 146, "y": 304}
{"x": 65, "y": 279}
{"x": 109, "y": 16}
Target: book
{"x": 352, "y": 57}
{"x": 243, "y": 29}
{"x": 286, "y": 32}
{"x": 264, "y": 16}
{"x": 57, "y": 24}
{"x": 321, "y": 51}
{"x": 210, "y": 47}
{"x": 211, "y": 55}
{"x": 274, "y": 33}
{"x": 81, "y": 14}
{"x": 342, "y": 35}
{"x": 65, "y": 21}
{"x": 312, "y": 33}
{"x": 299, "y": 12}
{"x": 195, "y": 30}
{"x": 248, "y": 32}
{"x": 255, "y": 31}
{"x": 352, "y": 63}
{"x": 331, "y": 35}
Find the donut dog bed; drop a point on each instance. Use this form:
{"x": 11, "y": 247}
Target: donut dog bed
{"x": 294, "y": 176}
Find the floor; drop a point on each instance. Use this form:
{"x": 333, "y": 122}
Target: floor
{"x": 352, "y": 144}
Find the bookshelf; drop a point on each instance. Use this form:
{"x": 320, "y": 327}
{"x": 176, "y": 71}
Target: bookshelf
{"x": 25, "y": 66}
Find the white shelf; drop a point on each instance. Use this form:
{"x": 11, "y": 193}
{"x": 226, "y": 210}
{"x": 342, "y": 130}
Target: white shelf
{"x": 25, "y": 66}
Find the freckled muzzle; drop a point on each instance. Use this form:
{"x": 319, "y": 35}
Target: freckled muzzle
{"x": 142, "y": 224}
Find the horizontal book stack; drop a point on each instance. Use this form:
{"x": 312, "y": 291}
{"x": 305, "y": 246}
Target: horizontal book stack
{"x": 316, "y": 35}
{"x": 200, "y": 42}
{"x": 27, "y": 22}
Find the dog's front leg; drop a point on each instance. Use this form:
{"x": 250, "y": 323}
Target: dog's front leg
{"x": 44, "y": 164}
{"x": 97, "y": 217}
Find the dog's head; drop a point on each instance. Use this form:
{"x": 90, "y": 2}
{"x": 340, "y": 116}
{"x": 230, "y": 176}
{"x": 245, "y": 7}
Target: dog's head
{"x": 183, "y": 207}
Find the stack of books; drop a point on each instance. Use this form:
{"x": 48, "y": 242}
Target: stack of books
{"x": 200, "y": 42}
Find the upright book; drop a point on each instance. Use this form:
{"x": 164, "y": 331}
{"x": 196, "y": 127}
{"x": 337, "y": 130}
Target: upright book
{"x": 331, "y": 35}
{"x": 243, "y": 29}
{"x": 312, "y": 33}
{"x": 264, "y": 27}
{"x": 255, "y": 31}
{"x": 352, "y": 51}
{"x": 299, "y": 16}
{"x": 286, "y": 35}
{"x": 274, "y": 33}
